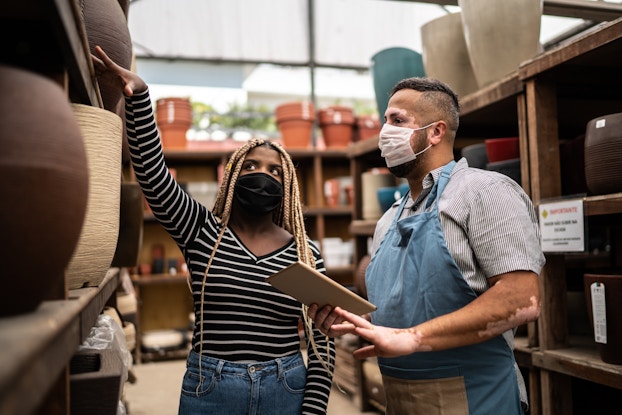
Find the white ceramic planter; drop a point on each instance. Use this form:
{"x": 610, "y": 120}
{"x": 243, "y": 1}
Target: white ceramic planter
{"x": 500, "y": 34}
{"x": 102, "y": 133}
{"x": 445, "y": 54}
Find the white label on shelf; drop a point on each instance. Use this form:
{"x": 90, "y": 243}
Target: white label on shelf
{"x": 600, "y": 123}
{"x": 598, "y": 311}
{"x": 562, "y": 226}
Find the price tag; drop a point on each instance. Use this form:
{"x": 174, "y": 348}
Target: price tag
{"x": 598, "y": 311}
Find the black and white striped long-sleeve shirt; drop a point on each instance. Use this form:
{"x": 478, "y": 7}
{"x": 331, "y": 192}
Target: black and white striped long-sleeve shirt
{"x": 244, "y": 319}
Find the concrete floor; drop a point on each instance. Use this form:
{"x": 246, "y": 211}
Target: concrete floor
{"x": 157, "y": 386}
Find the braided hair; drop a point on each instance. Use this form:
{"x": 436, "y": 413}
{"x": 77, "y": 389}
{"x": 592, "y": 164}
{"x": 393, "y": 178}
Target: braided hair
{"x": 288, "y": 216}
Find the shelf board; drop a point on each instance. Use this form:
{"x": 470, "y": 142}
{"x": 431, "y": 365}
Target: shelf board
{"x": 584, "y": 50}
{"x": 582, "y": 360}
{"x": 363, "y": 227}
{"x": 363, "y": 147}
{"x": 602, "y": 205}
{"x": 161, "y": 279}
{"x": 36, "y": 346}
{"x": 342, "y": 210}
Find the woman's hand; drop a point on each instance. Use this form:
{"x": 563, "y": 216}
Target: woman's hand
{"x": 328, "y": 322}
{"x": 127, "y": 80}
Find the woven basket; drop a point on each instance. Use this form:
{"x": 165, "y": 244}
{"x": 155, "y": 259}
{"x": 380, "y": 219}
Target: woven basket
{"x": 102, "y": 133}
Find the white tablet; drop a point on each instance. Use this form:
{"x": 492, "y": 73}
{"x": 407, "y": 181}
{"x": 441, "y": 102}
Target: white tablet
{"x": 310, "y": 286}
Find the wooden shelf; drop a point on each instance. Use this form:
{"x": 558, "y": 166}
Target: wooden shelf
{"x": 363, "y": 227}
{"x": 580, "y": 359}
{"x": 36, "y": 346}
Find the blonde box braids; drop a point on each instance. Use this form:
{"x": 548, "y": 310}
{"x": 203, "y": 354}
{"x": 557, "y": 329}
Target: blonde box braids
{"x": 288, "y": 216}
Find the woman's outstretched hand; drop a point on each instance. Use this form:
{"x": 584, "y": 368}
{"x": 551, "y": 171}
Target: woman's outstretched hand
{"x": 127, "y": 80}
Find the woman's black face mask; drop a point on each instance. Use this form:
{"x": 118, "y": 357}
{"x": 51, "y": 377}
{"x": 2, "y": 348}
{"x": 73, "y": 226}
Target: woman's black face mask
{"x": 258, "y": 193}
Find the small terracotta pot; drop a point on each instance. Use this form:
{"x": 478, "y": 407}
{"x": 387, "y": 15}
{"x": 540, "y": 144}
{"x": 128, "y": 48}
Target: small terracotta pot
{"x": 337, "y": 124}
{"x": 296, "y": 133}
{"x": 365, "y": 127}
{"x": 43, "y": 186}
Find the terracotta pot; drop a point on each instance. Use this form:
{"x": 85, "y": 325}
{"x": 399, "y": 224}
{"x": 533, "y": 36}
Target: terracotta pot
{"x": 303, "y": 110}
{"x": 44, "y": 188}
{"x": 296, "y": 133}
{"x": 445, "y": 54}
{"x": 337, "y": 124}
{"x": 174, "y": 118}
{"x": 603, "y": 154}
{"x": 611, "y": 351}
{"x": 365, "y": 127}
{"x": 500, "y": 35}
{"x": 102, "y": 133}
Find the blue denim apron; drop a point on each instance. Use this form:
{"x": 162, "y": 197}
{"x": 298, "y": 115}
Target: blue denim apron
{"x": 412, "y": 278}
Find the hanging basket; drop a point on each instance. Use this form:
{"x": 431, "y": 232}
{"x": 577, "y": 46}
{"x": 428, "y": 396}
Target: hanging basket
{"x": 102, "y": 133}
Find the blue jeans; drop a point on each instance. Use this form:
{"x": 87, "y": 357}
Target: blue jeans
{"x": 262, "y": 388}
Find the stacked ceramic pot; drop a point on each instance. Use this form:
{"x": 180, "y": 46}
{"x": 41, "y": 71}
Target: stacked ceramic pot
{"x": 174, "y": 118}
{"x": 337, "y": 124}
{"x": 295, "y": 121}
{"x": 366, "y": 126}
{"x": 44, "y": 184}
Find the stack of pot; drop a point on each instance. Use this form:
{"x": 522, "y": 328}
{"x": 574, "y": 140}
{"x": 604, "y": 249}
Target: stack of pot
{"x": 295, "y": 121}
{"x": 174, "y": 118}
{"x": 337, "y": 124}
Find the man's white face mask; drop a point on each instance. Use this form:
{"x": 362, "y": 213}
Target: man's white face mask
{"x": 395, "y": 145}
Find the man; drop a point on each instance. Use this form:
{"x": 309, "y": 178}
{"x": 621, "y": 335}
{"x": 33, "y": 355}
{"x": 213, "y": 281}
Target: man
{"x": 454, "y": 269}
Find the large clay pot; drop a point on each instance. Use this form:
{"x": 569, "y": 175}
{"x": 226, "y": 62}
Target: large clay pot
{"x": 102, "y": 133}
{"x": 603, "y": 154}
{"x": 43, "y": 186}
{"x": 105, "y": 23}
{"x": 388, "y": 67}
{"x": 500, "y": 35}
{"x": 445, "y": 54}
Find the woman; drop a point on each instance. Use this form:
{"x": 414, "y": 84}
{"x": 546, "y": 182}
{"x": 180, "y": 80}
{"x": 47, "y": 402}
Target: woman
{"x": 245, "y": 356}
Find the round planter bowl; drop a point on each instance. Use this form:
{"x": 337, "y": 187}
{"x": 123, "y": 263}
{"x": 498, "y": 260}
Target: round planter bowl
{"x": 44, "y": 188}
{"x": 603, "y": 154}
{"x": 499, "y": 149}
